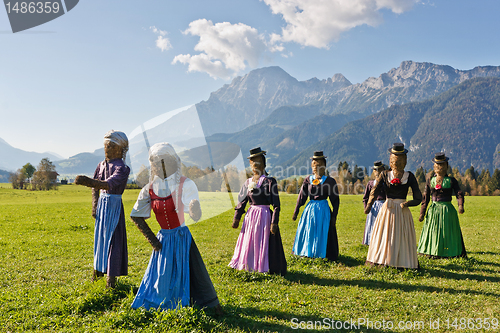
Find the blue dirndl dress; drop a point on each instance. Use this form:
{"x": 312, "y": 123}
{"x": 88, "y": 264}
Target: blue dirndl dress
{"x": 166, "y": 281}
{"x": 109, "y": 208}
{"x": 176, "y": 275}
{"x": 370, "y": 220}
{"x": 316, "y": 235}
{"x": 110, "y": 237}
{"x": 372, "y": 216}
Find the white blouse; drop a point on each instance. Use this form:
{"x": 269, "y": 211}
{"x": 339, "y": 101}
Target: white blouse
{"x": 404, "y": 180}
{"x": 161, "y": 188}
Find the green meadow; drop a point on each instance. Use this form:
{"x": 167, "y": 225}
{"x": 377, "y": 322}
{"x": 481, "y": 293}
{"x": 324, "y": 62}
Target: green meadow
{"x": 46, "y": 244}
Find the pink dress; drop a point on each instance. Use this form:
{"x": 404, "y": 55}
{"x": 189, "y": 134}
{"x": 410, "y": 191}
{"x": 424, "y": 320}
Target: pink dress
{"x": 257, "y": 249}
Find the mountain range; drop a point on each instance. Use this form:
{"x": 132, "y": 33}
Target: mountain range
{"x": 83, "y": 163}
{"x": 462, "y": 122}
{"x": 252, "y": 98}
{"x": 14, "y": 158}
{"x": 289, "y": 130}
{"x": 350, "y": 122}
{"x": 4, "y": 176}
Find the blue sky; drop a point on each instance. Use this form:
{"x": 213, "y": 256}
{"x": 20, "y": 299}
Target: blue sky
{"x": 115, "y": 64}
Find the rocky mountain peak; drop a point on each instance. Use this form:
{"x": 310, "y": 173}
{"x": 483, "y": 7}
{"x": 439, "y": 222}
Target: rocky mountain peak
{"x": 271, "y": 75}
{"x": 252, "y": 97}
{"x": 411, "y": 73}
{"x": 480, "y": 71}
{"x": 340, "y": 78}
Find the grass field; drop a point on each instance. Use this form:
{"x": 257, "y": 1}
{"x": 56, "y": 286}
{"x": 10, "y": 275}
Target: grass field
{"x": 46, "y": 263}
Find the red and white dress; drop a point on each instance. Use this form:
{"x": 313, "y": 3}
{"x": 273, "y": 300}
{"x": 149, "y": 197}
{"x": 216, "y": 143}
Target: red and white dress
{"x": 176, "y": 274}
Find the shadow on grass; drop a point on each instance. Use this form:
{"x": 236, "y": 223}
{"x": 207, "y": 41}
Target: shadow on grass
{"x": 244, "y": 276}
{"x": 348, "y": 261}
{"x": 460, "y": 276}
{"x": 242, "y": 318}
{"x": 483, "y": 262}
{"x": 385, "y": 284}
{"x": 351, "y": 261}
{"x": 99, "y": 298}
{"x": 463, "y": 265}
{"x": 482, "y": 252}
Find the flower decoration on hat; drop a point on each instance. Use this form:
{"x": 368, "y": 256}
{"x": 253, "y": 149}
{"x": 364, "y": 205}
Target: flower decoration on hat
{"x": 438, "y": 187}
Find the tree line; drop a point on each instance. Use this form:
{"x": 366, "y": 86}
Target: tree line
{"x": 353, "y": 180}
{"x": 42, "y": 178}
{"x": 350, "y": 180}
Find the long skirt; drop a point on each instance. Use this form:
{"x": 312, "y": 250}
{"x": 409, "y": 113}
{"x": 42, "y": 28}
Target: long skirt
{"x": 256, "y": 249}
{"x": 311, "y": 238}
{"x": 109, "y": 209}
{"x": 202, "y": 289}
{"x": 166, "y": 283}
{"x": 441, "y": 235}
{"x": 370, "y": 220}
{"x": 393, "y": 242}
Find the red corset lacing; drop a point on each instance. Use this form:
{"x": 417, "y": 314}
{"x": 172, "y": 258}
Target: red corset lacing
{"x": 164, "y": 208}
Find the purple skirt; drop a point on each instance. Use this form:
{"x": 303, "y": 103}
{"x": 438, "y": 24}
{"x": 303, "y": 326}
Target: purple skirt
{"x": 252, "y": 248}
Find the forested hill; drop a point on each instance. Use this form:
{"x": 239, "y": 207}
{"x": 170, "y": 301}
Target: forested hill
{"x": 250, "y": 99}
{"x": 4, "y": 176}
{"x": 464, "y": 122}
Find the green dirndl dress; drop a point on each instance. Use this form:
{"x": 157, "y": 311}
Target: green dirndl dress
{"x": 441, "y": 234}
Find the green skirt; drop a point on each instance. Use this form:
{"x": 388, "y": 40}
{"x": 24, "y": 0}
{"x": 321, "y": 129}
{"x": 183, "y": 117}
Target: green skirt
{"x": 441, "y": 235}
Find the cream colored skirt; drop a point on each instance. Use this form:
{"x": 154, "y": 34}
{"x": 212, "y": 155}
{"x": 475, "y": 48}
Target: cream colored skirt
{"x": 393, "y": 241}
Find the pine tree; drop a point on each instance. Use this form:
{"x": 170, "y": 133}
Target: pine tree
{"x": 484, "y": 177}
{"x": 495, "y": 181}
{"x": 470, "y": 173}
{"x": 420, "y": 175}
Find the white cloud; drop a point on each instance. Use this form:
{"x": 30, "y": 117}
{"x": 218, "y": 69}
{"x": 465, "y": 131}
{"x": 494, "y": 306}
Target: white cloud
{"x": 397, "y": 6}
{"x": 158, "y": 31}
{"x": 202, "y": 63}
{"x": 225, "y": 48}
{"x": 319, "y": 22}
{"x": 162, "y": 42}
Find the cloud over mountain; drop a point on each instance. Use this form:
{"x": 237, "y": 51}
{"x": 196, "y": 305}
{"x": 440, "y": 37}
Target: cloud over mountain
{"x": 317, "y": 23}
{"x": 225, "y": 48}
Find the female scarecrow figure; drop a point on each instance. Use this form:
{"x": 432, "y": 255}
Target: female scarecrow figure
{"x": 441, "y": 235}
{"x": 109, "y": 182}
{"x": 259, "y": 246}
{"x": 393, "y": 241}
{"x": 176, "y": 274}
{"x": 316, "y": 235}
{"x": 378, "y": 167}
